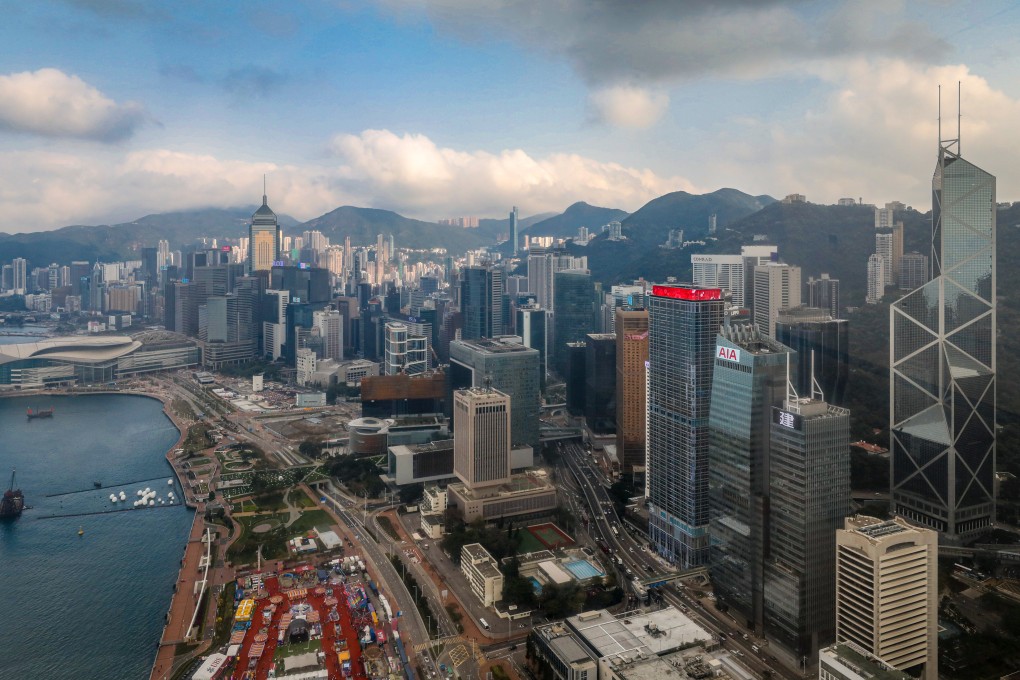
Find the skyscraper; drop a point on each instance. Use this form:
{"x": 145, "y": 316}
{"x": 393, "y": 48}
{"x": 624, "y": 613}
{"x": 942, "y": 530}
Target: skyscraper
{"x": 749, "y": 378}
{"x": 600, "y": 383}
{"x": 331, "y": 329}
{"x": 20, "y": 267}
{"x": 481, "y": 444}
{"x": 514, "y": 242}
{"x": 943, "y": 383}
{"x": 264, "y": 238}
{"x": 776, "y": 286}
{"x": 887, "y": 592}
{"x": 823, "y": 293}
{"x": 533, "y": 327}
{"x": 683, "y": 322}
{"x": 405, "y": 352}
{"x": 822, "y": 345}
{"x": 809, "y": 496}
{"x": 631, "y": 356}
{"x": 574, "y": 317}
{"x": 505, "y": 364}
{"x": 481, "y": 301}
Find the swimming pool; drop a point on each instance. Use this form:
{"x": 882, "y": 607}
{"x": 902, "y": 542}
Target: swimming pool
{"x": 536, "y": 586}
{"x": 583, "y": 569}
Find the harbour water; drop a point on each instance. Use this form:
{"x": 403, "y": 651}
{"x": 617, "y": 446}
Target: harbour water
{"x": 89, "y": 606}
{"x": 22, "y": 334}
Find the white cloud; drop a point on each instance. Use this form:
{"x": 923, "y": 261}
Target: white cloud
{"x": 411, "y": 173}
{"x": 874, "y": 136}
{"x": 377, "y": 168}
{"x": 52, "y": 103}
{"x": 628, "y": 106}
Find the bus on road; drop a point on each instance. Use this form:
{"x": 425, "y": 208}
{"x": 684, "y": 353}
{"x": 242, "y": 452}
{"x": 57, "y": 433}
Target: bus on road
{"x": 485, "y": 625}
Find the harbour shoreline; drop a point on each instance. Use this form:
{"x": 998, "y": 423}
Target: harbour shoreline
{"x": 184, "y": 599}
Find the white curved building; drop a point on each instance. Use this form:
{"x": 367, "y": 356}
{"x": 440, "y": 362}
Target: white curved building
{"x": 91, "y": 359}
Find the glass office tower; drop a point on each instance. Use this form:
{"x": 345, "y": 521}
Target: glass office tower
{"x": 749, "y": 378}
{"x": 683, "y": 322}
{"x": 943, "y": 362}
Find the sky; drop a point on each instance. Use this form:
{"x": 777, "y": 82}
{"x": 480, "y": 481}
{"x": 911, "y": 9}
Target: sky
{"x": 114, "y": 109}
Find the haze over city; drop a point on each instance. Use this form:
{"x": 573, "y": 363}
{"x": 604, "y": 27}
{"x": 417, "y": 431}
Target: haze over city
{"x": 111, "y": 109}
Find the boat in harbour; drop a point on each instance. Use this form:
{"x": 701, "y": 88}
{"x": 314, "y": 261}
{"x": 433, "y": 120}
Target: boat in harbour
{"x": 42, "y": 413}
{"x": 13, "y": 501}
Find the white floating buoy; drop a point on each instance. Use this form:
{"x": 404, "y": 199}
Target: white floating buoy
{"x": 123, "y": 497}
{"x": 151, "y": 503}
{"x": 139, "y": 492}
{"x": 147, "y": 489}
{"x": 169, "y": 482}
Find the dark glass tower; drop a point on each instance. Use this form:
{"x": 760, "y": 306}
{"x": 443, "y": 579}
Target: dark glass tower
{"x": 481, "y": 301}
{"x": 809, "y": 497}
{"x": 600, "y": 383}
{"x": 943, "y": 362}
{"x": 683, "y": 322}
{"x": 749, "y": 379}
{"x": 822, "y": 344}
{"x": 573, "y": 318}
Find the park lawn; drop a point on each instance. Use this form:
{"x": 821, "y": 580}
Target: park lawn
{"x": 311, "y": 519}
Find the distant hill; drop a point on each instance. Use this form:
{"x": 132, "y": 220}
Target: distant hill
{"x": 125, "y": 240}
{"x": 364, "y": 224}
{"x": 578, "y": 215}
{"x": 492, "y": 227}
{"x": 648, "y": 228}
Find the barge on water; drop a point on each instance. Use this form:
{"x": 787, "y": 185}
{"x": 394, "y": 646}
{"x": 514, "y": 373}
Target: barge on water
{"x": 13, "y": 502}
{"x": 44, "y": 413}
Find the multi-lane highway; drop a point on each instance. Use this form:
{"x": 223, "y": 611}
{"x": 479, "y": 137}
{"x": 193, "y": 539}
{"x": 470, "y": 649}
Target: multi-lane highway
{"x": 411, "y": 623}
{"x": 634, "y": 561}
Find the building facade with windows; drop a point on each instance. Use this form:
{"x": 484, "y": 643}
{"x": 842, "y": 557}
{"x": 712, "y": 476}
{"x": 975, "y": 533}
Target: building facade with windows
{"x": 683, "y": 323}
{"x": 943, "y": 363}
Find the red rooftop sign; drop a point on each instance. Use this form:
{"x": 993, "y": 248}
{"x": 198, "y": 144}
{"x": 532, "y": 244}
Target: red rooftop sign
{"x": 680, "y": 293}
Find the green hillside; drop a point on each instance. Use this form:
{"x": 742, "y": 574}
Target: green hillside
{"x": 364, "y": 224}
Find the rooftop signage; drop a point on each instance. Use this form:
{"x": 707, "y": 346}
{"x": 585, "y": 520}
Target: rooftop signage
{"x": 685, "y": 293}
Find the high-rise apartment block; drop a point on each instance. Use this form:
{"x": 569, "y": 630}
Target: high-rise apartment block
{"x": 481, "y": 446}
{"x": 823, "y": 293}
{"x": 884, "y": 217}
{"x": 943, "y": 358}
{"x": 887, "y": 592}
{"x": 720, "y": 271}
{"x": 683, "y": 322}
{"x": 749, "y": 379}
{"x": 913, "y": 271}
{"x": 809, "y": 497}
{"x": 631, "y": 357}
{"x": 776, "y": 286}
{"x": 876, "y": 279}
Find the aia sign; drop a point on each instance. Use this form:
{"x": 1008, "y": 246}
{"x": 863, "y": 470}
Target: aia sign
{"x": 727, "y": 353}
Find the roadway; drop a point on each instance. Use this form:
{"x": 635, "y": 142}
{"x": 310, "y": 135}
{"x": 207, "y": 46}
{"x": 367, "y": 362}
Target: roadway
{"x": 632, "y": 559}
{"x": 411, "y": 623}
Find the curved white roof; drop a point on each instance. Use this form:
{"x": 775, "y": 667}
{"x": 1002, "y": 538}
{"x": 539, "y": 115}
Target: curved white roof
{"x": 77, "y": 348}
